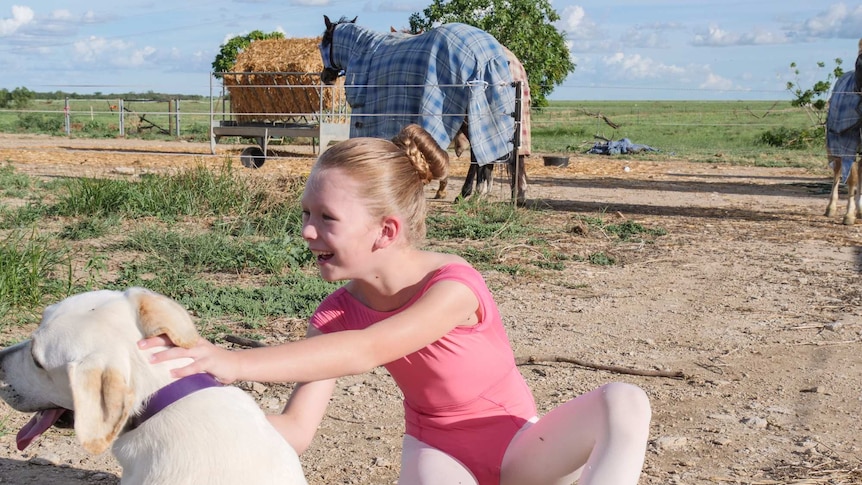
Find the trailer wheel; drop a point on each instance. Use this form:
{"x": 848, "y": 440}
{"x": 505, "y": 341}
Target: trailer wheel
{"x": 252, "y": 157}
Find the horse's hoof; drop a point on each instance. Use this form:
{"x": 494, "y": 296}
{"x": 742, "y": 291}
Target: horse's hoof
{"x": 849, "y": 220}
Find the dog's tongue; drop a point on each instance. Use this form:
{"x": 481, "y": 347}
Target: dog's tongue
{"x": 37, "y": 425}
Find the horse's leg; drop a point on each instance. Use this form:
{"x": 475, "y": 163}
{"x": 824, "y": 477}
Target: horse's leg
{"x": 483, "y": 179}
{"x": 518, "y": 180}
{"x": 836, "y": 182}
{"x": 441, "y": 189}
{"x": 853, "y": 194}
{"x": 467, "y": 188}
{"x": 858, "y": 172}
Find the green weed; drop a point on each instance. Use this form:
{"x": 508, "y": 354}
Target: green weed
{"x": 13, "y": 184}
{"x": 478, "y": 220}
{"x": 89, "y": 228}
{"x": 32, "y": 270}
{"x": 213, "y": 252}
{"x": 627, "y": 231}
{"x": 198, "y": 191}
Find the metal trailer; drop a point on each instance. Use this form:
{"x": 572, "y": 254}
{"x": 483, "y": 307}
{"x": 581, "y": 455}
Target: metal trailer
{"x": 323, "y": 125}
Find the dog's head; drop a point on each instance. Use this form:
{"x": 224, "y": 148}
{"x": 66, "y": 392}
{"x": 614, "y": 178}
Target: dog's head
{"x": 84, "y": 357}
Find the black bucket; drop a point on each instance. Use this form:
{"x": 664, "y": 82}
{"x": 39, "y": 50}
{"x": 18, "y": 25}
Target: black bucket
{"x": 252, "y": 157}
{"x": 556, "y": 161}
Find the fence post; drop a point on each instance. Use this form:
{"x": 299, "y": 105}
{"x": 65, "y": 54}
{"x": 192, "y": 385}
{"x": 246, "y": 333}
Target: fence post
{"x": 177, "y": 114}
{"x": 121, "y": 109}
{"x": 66, "y": 120}
{"x": 170, "y": 116}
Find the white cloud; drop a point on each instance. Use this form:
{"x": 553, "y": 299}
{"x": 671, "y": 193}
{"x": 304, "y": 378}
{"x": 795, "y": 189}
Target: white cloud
{"x": 61, "y": 14}
{"x": 644, "y": 71}
{"x": 716, "y": 37}
{"x": 20, "y": 16}
{"x": 637, "y": 37}
{"x": 837, "y": 21}
{"x": 311, "y": 3}
{"x": 575, "y": 23}
{"x": 90, "y": 17}
{"x": 400, "y": 6}
{"x": 94, "y": 48}
{"x": 638, "y": 67}
{"x": 135, "y": 58}
{"x": 714, "y": 82}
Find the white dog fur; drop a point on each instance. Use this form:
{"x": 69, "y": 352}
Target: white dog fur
{"x": 84, "y": 357}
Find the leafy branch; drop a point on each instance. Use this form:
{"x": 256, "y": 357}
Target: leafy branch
{"x": 814, "y": 100}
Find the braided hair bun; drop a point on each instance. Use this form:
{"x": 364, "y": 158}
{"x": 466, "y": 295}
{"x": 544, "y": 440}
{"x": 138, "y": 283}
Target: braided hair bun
{"x": 430, "y": 161}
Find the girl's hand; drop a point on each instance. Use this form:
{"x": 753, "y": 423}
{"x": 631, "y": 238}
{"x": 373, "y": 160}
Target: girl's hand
{"x": 219, "y": 362}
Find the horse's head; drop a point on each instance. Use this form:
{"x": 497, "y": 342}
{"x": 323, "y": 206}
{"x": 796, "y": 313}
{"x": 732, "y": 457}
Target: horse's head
{"x": 331, "y": 72}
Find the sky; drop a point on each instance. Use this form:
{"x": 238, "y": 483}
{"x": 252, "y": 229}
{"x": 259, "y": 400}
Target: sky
{"x": 623, "y": 50}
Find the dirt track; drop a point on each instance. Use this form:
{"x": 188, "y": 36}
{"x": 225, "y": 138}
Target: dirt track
{"x": 753, "y": 295}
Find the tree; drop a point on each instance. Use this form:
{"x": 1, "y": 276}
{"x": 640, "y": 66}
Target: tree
{"x": 523, "y": 26}
{"x": 226, "y": 58}
{"x": 815, "y": 102}
{"x": 22, "y": 97}
{"x": 814, "y": 99}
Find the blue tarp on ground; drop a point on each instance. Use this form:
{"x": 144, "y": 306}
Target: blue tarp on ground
{"x": 619, "y": 147}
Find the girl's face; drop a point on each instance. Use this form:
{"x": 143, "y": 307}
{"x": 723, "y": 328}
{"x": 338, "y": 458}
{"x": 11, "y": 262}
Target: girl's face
{"x": 337, "y": 226}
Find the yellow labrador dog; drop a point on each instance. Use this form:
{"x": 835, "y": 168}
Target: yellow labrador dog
{"x": 84, "y": 357}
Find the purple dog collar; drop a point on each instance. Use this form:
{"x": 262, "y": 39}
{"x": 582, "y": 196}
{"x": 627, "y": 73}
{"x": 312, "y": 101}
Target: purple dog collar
{"x": 172, "y": 393}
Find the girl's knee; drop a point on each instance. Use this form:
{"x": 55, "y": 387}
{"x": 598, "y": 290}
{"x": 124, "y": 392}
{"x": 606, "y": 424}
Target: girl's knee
{"x": 627, "y": 401}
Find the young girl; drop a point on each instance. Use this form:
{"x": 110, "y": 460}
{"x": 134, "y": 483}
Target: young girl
{"x": 430, "y": 320}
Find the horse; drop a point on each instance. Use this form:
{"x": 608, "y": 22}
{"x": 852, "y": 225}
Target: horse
{"x": 843, "y": 121}
{"x": 462, "y": 141}
{"x": 517, "y": 172}
{"x": 438, "y": 79}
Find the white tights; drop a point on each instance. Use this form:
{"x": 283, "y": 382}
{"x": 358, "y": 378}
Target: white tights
{"x": 599, "y": 437}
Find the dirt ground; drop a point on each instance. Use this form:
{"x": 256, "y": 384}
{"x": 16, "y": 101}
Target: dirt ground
{"x": 753, "y": 295}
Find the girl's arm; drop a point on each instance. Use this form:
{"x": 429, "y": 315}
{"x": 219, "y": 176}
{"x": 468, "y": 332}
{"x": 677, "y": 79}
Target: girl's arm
{"x": 444, "y": 306}
{"x": 305, "y": 410}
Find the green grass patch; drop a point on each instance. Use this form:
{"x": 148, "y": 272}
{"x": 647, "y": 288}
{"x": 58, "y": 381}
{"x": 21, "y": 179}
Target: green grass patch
{"x": 33, "y": 270}
{"x": 13, "y": 184}
{"x": 627, "y": 231}
{"x": 732, "y": 132}
{"x": 217, "y": 253}
{"x": 89, "y": 228}
{"x": 295, "y": 294}
{"x": 478, "y": 220}
{"x": 198, "y": 191}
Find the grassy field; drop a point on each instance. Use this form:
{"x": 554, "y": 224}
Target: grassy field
{"x": 737, "y": 131}
{"x": 195, "y": 235}
{"x": 226, "y": 246}
{"x": 695, "y": 130}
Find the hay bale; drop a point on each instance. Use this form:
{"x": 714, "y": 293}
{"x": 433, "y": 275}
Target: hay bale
{"x": 278, "y": 80}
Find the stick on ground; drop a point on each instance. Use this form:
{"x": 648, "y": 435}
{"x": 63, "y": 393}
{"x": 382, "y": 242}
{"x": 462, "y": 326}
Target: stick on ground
{"x": 246, "y": 342}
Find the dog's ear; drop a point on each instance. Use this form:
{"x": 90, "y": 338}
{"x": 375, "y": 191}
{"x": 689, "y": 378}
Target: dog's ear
{"x": 158, "y": 314}
{"x": 103, "y": 401}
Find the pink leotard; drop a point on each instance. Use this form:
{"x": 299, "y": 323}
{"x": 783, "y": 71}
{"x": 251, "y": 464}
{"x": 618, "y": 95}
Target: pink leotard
{"x": 463, "y": 393}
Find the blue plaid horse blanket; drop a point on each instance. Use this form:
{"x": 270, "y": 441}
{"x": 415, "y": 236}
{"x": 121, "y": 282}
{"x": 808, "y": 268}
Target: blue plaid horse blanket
{"x": 433, "y": 79}
{"x": 843, "y": 122}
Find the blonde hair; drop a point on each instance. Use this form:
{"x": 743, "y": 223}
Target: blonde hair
{"x": 392, "y": 174}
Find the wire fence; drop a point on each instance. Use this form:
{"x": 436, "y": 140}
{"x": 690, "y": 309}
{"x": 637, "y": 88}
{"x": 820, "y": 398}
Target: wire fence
{"x": 709, "y": 130}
